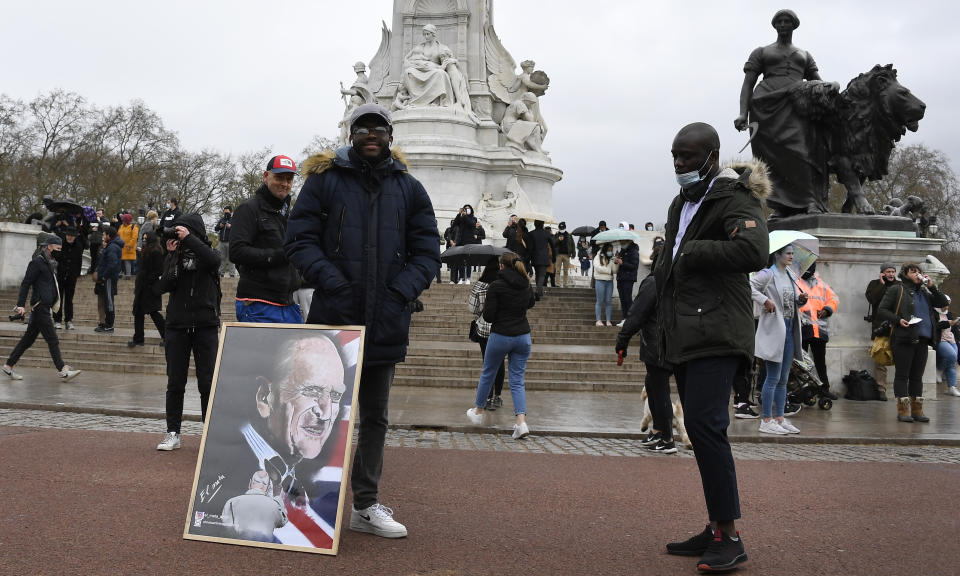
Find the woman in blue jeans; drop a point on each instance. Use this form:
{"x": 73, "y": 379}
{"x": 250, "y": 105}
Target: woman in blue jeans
{"x": 778, "y": 341}
{"x": 947, "y": 348}
{"x": 604, "y": 270}
{"x": 508, "y": 299}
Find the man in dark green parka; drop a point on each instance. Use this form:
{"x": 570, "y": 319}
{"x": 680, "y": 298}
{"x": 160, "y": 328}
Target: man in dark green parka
{"x": 715, "y": 236}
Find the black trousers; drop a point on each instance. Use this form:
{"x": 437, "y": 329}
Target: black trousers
{"x": 68, "y": 285}
{"x": 138, "y": 325}
{"x": 625, "y": 292}
{"x": 40, "y": 322}
{"x": 909, "y": 360}
{"x": 373, "y": 396}
{"x": 203, "y": 344}
{"x": 818, "y": 349}
{"x": 704, "y": 385}
{"x": 94, "y": 257}
{"x": 498, "y": 379}
{"x": 541, "y": 275}
{"x": 743, "y": 384}
{"x": 657, "y": 383}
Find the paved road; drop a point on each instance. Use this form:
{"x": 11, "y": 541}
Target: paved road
{"x": 576, "y": 445}
{"x": 79, "y": 497}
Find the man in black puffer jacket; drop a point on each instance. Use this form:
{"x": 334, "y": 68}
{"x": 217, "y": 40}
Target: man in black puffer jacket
{"x": 363, "y": 231}
{"x": 629, "y": 262}
{"x": 258, "y": 229}
{"x": 190, "y": 275}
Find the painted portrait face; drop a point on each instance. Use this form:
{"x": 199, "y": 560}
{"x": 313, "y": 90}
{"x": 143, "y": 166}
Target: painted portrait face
{"x": 302, "y": 409}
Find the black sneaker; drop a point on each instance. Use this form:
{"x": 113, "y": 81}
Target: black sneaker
{"x": 744, "y": 411}
{"x": 497, "y": 402}
{"x": 723, "y": 554}
{"x": 693, "y": 546}
{"x": 651, "y": 439}
{"x": 791, "y": 409}
{"x": 663, "y": 447}
{"x": 108, "y": 329}
{"x": 489, "y": 405}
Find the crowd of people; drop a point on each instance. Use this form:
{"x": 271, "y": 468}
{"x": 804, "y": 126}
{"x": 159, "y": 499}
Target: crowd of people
{"x": 761, "y": 311}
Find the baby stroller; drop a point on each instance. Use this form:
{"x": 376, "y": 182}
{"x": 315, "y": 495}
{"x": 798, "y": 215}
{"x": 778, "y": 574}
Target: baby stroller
{"x": 803, "y": 384}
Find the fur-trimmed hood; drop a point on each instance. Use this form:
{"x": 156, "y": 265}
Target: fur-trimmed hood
{"x": 752, "y": 174}
{"x": 320, "y": 163}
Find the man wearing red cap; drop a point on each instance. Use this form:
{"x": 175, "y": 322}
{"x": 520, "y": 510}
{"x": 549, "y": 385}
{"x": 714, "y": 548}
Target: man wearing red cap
{"x": 259, "y": 226}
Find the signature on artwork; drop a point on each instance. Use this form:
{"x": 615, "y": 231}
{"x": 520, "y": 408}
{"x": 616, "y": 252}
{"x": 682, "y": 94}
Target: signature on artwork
{"x": 210, "y": 490}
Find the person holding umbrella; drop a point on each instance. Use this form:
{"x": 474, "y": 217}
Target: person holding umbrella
{"x": 481, "y": 333}
{"x": 778, "y": 340}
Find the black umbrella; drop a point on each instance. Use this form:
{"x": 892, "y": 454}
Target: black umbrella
{"x": 471, "y": 254}
{"x": 66, "y": 206}
{"x": 583, "y": 231}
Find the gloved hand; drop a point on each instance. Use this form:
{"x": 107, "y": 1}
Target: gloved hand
{"x": 622, "y": 343}
{"x": 415, "y": 306}
{"x": 825, "y": 312}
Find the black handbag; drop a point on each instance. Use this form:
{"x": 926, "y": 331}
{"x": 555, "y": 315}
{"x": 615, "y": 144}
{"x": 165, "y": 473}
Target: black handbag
{"x": 474, "y": 335}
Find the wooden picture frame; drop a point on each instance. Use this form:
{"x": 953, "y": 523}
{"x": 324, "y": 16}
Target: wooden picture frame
{"x": 272, "y": 468}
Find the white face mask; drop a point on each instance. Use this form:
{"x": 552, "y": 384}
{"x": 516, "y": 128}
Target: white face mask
{"x": 690, "y": 179}
{"x": 469, "y": 211}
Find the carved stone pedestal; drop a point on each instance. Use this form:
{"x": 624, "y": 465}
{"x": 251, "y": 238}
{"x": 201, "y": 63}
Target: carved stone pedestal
{"x": 852, "y": 249}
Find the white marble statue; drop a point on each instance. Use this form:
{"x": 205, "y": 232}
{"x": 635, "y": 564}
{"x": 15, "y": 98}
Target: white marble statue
{"x": 431, "y": 77}
{"x": 509, "y": 87}
{"x": 520, "y": 125}
{"x": 364, "y": 89}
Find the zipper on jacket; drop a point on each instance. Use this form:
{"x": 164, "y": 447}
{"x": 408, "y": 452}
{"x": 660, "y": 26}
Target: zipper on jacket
{"x": 343, "y": 212}
{"x": 398, "y": 218}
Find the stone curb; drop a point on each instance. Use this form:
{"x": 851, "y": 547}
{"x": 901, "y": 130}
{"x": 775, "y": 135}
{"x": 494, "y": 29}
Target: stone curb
{"x": 735, "y": 439}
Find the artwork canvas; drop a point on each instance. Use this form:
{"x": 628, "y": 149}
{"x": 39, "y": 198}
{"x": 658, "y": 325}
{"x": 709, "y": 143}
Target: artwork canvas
{"x": 271, "y": 469}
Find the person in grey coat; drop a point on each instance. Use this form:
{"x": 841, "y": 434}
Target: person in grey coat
{"x": 778, "y": 340}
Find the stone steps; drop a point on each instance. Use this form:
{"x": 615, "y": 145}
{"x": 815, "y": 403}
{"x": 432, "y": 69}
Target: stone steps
{"x": 570, "y": 353}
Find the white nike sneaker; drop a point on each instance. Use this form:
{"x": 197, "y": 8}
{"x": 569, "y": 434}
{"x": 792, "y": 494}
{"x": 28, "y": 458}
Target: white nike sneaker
{"x": 378, "y": 520}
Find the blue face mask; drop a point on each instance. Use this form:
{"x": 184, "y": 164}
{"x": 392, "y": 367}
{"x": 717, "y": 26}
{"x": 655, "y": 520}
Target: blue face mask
{"x": 609, "y": 254}
{"x": 690, "y": 179}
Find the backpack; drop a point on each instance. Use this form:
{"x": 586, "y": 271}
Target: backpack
{"x": 861, "y": 386}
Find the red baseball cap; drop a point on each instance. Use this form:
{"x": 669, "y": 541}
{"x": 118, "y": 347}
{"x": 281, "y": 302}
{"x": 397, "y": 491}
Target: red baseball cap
{"x": 279, "y": 164}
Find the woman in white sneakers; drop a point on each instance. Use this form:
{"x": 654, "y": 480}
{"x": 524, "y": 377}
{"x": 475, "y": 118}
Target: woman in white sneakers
{"x": 778, "y": 340}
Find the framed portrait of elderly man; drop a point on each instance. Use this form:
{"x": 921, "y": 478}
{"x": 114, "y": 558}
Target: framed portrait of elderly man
{"x": 277, "y": 437}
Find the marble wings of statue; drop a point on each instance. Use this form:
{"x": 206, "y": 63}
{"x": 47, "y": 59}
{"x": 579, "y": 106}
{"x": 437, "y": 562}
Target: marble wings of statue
{"x": 503, "y": 81}
{"x": 380, "y": 64}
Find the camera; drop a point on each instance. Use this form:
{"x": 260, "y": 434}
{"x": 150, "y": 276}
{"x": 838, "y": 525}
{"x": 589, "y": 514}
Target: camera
{"x": 169, "y": 234}
{"x": 882, "y": 330}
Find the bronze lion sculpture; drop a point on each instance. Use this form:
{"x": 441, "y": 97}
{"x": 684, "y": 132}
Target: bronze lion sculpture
{"x": 875, "y": 111}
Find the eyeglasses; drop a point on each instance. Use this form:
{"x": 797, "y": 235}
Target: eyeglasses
{"x": 379, "y": 131}
{"x": 317, "y": 393}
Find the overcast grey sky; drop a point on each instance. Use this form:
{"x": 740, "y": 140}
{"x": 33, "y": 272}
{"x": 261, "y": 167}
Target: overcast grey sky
{"x": 239, "y": 75}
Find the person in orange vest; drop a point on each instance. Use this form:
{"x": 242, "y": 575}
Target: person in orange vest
{"x": 821, "y": 304}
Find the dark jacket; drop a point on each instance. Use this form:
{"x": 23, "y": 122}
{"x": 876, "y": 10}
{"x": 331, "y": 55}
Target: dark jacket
{"x": 874, "y": 293}
{"x": 191, "y": 276}
{"x": 39, "y": 276}
{"x": 109, "y": 265}
{"x": 887, "y": 310}
{"x": 366, "y": 237}
{"x": 583, "y": 252}
{"x": 630, "y": 263}
{"x": 223, "y": 232}
{"x": 705, "y": 308}
{"x": 564, "y": 243}
{"x": 539, "y": 247}
{"x": 167, "y": 218}
{"x": 149, "y": 270}
{"x": 643, "y": 319}
{"x": 258, "y": 230}
{"x": 465, "y": 229}
{"x": 508, "y": 299}
{"x": 517, "y": 245}
{"x": 69, "y": 259}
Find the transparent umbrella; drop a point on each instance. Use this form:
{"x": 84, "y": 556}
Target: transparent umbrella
{"x": 806, "y": 247}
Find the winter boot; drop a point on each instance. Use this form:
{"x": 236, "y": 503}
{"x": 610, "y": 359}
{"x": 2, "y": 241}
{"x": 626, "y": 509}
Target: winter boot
{"x": 916, "y": 410}
{"x": 903, "y": 410}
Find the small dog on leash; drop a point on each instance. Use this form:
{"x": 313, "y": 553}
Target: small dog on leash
{"x": 647, "y": 421}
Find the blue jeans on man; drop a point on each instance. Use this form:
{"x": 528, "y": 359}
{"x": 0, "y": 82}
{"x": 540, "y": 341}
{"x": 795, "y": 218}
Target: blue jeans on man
{"x": 254, "y": 311}
{"x": 517, "y": 349}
